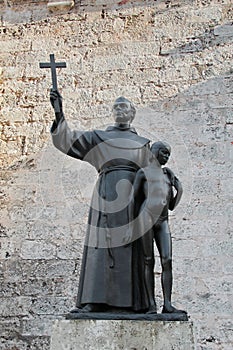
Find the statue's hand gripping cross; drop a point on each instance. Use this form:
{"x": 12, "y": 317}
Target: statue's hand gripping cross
{"x": 53, "y": 65}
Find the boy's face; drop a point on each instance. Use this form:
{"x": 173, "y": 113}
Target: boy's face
{"x": 163, "y": 155}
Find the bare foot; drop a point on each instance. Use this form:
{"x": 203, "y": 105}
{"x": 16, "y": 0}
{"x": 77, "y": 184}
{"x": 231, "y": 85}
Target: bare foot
{"x": 86, "y": 308}
{"x": 172, "y": 310}
{"x": 76, "y": 310}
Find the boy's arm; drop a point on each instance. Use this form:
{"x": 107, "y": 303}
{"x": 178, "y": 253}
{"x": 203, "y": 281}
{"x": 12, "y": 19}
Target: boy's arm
{"x": 138, "y": 182}
{"x": 137, "y": 185}
{"x": 170, "y": 174}
{"x": 174, "y": 201}
{"x": 179, "y": 191}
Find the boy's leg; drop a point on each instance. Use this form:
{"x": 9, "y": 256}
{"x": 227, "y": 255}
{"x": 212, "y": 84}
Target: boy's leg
{"x": 148, "y": 253}
{"x": 163, "y": 241}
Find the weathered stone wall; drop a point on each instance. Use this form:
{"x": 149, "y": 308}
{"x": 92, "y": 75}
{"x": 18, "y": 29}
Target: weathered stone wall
{"x": 174, "y": 61}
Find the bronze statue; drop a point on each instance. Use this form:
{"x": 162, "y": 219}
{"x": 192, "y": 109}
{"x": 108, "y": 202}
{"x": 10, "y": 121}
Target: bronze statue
{"x": 111, "y": 272}
{"x": 146, "y": 181}
{"x": 116, "y": 279}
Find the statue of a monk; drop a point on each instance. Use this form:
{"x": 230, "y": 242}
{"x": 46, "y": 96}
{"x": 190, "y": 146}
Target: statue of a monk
{"x": 111, "y": 272}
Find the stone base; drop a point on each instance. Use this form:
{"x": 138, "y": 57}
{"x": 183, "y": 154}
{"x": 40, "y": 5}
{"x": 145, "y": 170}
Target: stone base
{"x": 126, "y": 316}
{"x": 122, "y": 335}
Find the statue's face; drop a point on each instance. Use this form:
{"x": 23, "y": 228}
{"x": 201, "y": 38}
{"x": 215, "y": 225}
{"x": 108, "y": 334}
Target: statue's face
{"x": 122, "y": 112}
{"x": 163, "y": 155}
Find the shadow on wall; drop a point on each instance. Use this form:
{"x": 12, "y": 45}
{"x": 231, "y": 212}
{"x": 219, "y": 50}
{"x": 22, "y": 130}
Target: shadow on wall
{"x": 216, "y": 36}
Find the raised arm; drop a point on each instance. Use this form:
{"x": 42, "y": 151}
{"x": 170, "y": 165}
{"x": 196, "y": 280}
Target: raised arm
{"x": 56, "y": 96}
{"x": 71, "y": 142}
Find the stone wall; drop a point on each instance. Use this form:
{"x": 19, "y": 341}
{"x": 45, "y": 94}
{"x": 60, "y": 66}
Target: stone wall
{"x": 174, "y": 61}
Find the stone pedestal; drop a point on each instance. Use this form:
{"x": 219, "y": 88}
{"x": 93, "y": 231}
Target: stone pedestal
{"x": 122, "y": 335}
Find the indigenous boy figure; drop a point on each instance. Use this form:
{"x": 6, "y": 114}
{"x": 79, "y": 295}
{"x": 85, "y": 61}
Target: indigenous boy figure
{"x": 151, "y": 224}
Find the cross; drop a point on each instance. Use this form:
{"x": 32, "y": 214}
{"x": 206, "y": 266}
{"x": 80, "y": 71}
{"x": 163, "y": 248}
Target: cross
{"x": 53, "y": 65}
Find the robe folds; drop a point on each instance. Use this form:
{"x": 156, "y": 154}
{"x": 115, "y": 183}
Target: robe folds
{"x": 111, "y": 272}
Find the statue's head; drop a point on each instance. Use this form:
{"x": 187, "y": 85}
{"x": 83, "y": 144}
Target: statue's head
{"x": 123, "y": 111}
{"x": 161, "y": 151}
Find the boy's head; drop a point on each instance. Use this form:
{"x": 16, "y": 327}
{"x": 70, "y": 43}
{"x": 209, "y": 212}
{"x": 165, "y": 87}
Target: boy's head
{"x": 161, "y": 150}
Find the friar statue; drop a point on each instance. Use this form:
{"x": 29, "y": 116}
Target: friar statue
{"x": 111, "y": 270}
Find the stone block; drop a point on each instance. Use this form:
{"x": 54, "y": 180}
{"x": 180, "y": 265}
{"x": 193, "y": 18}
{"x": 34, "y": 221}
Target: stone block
{"x": 40, "y": 343}
{"x": 60, "y": 5}
{"x": 12, "y": 16}
{"x": 122, "y": 335}
{"x": 224, "y": 30}
{"x": 37, "y": 287}
{"x": 220, "y": 331}
{"x": 227, "y": 188}
{"x": 7, "y": 248}
{"x": 20, "y": 306}
{"x": 70, "y": 250}
{"x": 108, "y": 63}
{"x": 14, "y": 343}
{"x": 132, "y": 93}
{"x": 229, "y": 133}
{"x": 9, "y": 326}
{"x": 51, "y": 305}
{"x": 15, "y": 45}
{"x": 37, "y": 250}
{"x": 55, "y": 268}
{"x": 39, "y": 13}
{"x": 37, "y": 326}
